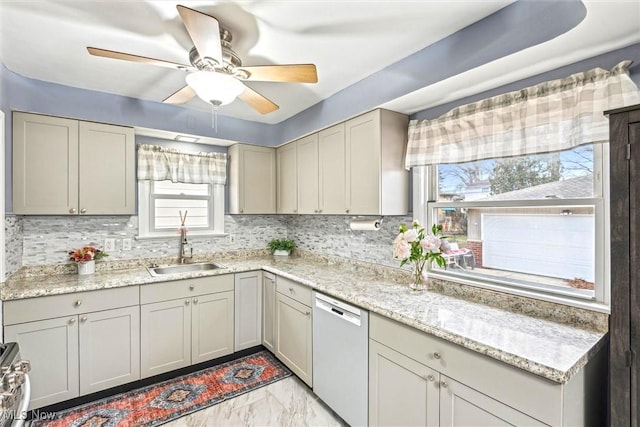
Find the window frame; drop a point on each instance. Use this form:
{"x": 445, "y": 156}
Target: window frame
{"x": 146, "y": 218}
{"x": 425, "y": 196}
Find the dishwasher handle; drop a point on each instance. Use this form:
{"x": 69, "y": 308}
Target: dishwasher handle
{"x": 332, "y": 310}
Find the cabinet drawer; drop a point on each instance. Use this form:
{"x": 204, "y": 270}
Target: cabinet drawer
{"x": 524, "y": 391}
{"x": 297, "y": 291}
{"x": 32, "y": 309}
{"x": 186, "y": 288}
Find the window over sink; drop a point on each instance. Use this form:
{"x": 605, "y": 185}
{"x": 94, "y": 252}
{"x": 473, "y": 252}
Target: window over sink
{"x": 160, "y": 204}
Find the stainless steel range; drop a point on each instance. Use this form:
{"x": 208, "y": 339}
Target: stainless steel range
{"x": 15, "y": 389}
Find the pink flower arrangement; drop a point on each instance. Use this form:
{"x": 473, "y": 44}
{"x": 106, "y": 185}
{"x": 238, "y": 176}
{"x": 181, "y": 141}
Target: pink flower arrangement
{"x": 420, "y": 247}
{"x": 87, "y": 253}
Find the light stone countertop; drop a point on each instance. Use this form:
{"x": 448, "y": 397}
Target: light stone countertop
{"x": 552, "y": 350}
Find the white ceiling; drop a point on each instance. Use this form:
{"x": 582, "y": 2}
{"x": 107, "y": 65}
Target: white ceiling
{"x": 347, "y": 40}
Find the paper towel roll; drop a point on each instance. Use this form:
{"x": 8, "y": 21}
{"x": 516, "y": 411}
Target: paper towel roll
{"x": 365, "y": 224}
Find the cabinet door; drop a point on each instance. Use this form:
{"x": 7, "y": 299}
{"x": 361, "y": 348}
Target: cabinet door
{"x": 463, "y": 406}
{"x": 109, "y": 348}
{"x": 268, "y": 310}
{"x": 211, "y": 326}
{"x": 257, "y": 180}
{"x": 106, "y": 169}
{"x": 402, "y": 392}
{"x": 362, "y": 139}
{"x": 287, "y": 179}
{"x": 248, "y": 310}
{"x": 293, "y": 336}
{"x": 307, "y": 173}
{"x": 165, "y": 336}
{"x": 52, "y": 347}
{"x": 332, "y": 169}
{"x": 45, "y": 164}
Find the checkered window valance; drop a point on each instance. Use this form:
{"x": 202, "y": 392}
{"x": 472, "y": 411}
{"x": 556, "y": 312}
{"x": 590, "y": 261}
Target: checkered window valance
{"x": 552, "y": 116}
{"x": 159, "y": 163}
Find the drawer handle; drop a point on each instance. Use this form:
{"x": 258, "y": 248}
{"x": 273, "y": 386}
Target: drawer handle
{"x": 72, "y": 320}
{"x": 195, "y": 300}
{"x": 444, "y": 384}
{"x": 430, "y": 377}
{"x": 437, "y": 355}
{"x": 83, "y": 319}
{"x": 78, "y": 303}
{"x": 186, "y": 302}
{"x": 191, "y": 287}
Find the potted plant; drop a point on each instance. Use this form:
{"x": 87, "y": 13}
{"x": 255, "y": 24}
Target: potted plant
{"x": 282, "y": 247}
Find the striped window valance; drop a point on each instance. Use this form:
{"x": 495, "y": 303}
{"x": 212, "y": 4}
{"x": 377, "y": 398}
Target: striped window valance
{"x": 552, "y": 116}
{"x": 159, "y": 164}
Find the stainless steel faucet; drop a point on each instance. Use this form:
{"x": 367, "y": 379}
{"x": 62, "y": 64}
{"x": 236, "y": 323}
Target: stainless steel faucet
{"x": 184, "y": 243}
{"x": 182, "y": 257}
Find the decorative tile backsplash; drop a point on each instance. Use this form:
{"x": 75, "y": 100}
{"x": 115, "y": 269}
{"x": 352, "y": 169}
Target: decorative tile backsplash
{"x": 40, "y": 240}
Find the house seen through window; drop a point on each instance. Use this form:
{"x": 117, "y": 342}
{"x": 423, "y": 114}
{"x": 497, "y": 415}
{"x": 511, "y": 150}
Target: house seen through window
{"x": 534, "y": 221}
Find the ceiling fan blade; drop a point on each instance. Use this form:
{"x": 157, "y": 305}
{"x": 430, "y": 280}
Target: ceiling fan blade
{"x": 257, "y": 101}
{"x": 204, "y": 30}
{"x": 180, "y": 96}
{"x": 302, "y": 73}
{"x": 136, "y": 58}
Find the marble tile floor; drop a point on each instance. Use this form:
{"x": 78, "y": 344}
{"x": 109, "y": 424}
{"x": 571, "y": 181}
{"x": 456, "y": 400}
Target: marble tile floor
{"x": 288, "y": 402}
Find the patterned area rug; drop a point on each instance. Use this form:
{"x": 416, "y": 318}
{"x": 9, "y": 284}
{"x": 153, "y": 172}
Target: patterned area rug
{"x": 160, "y": 403}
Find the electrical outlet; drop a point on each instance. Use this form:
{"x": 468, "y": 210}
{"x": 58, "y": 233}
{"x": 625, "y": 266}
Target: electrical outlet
{"x": 232, "y": 238}
{"x": 109, "y": 245}
{"x": 126, "y": 244}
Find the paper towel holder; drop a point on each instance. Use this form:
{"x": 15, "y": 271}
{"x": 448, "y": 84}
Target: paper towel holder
{"x": 362, "y": 224}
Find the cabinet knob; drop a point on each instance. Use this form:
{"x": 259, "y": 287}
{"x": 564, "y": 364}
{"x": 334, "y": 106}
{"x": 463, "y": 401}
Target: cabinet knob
{"x": 430, "y": 377}
{"x": 241, "y": 210}
{"x": 436, "y": 355}
{"x": 72, "y": 320}
{"x": 315, "y": 211}
{"x": 319, "y": 210}
{"x": 444, "y": 384}
{"x": 78, "y": 303}
{"x": 83, "y": 319}
{"x": 308, "y": 313}
{"x": 186, "y": 302}
{"x": 295, "y": 211}
{"x": 191, "y": 287}
{"x": 83, "y": 210}
{"x": 292, "y": 291}
{"x": 72, "y": 210}
{"x": 195, "y": 300}
{"x": 346, "y": 210}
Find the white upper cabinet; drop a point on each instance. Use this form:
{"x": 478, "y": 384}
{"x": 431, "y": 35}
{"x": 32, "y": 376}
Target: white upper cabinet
{"x": 63, "y": 166}
{"x": 287, "y": 179}
{"x": 307, "y": 173}
{"x": 376, "y": 181}
{"x": 352, "y": 168}
{"x": 252, "y": 179}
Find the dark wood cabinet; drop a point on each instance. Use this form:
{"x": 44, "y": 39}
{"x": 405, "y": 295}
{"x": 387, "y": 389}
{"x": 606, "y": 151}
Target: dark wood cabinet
{"x": 624, "y": 366}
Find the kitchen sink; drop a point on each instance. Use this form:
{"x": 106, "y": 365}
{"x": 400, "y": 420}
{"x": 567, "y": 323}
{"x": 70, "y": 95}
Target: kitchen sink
{"x": 183, "y": 268}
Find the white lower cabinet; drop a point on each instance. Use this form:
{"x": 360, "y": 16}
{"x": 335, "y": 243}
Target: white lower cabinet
{"x": 269, "y": 311}
{"x": 248, "y": 310}
{"x": 79, "y": 353}
{"x": 418, "y": 379}
{"x": 185, "y": 322}
{"x": 294, "y": 328}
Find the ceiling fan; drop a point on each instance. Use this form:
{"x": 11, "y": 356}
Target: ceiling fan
{"x": 216, "y": 74}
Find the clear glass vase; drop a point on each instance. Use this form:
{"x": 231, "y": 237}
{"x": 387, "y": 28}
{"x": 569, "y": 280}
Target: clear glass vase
{"x": 419, "y": 279}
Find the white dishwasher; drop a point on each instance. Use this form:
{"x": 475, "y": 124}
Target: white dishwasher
{"x": 341, "y": 357}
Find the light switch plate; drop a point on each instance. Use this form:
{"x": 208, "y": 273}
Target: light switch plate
{"x": 109, "y": 245}
{"x": 126, "y": 244}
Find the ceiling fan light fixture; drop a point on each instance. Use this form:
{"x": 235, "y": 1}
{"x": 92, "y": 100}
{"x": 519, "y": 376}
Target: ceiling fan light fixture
{"x": 215, "y": 88}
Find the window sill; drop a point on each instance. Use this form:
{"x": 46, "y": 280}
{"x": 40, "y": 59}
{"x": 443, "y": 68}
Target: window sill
{"x": 543, "y": 296}
{"x": 176, "y": 235}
